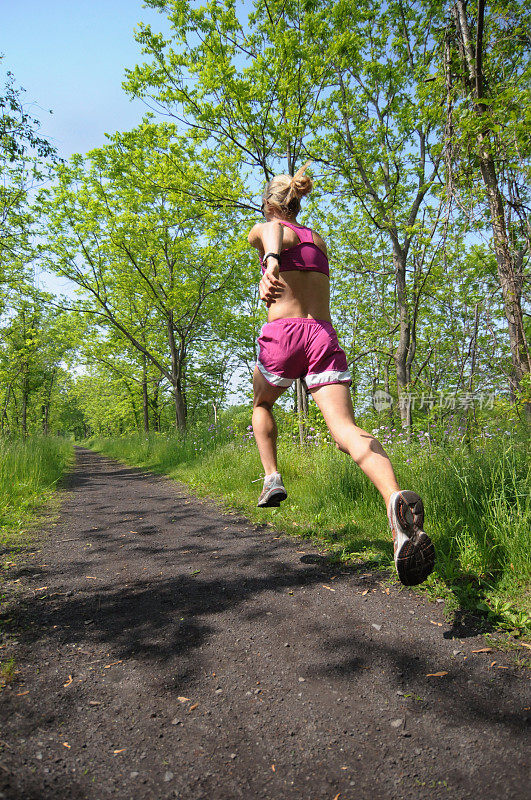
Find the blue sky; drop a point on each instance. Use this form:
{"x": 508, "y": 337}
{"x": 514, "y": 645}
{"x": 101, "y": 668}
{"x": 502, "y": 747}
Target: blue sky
{"x": 70, "y": 57}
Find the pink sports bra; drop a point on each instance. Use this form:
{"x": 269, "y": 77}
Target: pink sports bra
{"x": 303, "y": 256}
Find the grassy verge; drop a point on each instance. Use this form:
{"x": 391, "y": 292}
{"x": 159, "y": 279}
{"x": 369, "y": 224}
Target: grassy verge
{"x": 477, "y": 498}
{"x": 29, "y": 471}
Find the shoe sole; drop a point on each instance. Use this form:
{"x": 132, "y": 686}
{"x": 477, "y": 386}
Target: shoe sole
{"x": 274, "y": 499}
{"x": 413, "y": 510}
{"x": 416, "y": 559}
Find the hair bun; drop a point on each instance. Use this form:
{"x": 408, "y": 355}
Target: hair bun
{"x": 283, "y": 192}
{"x": 301, "y": 184}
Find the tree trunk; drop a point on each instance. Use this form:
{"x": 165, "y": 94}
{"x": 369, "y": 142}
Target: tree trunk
{"x": 511, "y": 278}
{"x": 24, "y": 403}
{"x": 390, "y": 411}
{"x": 177, "y": 361}
{"x": 4, "y": 418}
{"x": 402, "y": 353}
{"x": 300, "y": 412}
{"x": 305, "y": 403}
{"x": 473, "y": 352}
{"x": 155, "y": 406}
{"x": 354, "y": 387}
{"x": 510, "y": 282}
{"x": 16, "y": 420}
{"x": 180, "y": 407}
{"x": 301, "y": 405}
{"x": 145, "y": 402}
{"x": 133, "y": 406}
{"x": 47, "y": 404}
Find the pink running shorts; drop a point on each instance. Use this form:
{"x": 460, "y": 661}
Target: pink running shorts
{"x": 301, "y": 348}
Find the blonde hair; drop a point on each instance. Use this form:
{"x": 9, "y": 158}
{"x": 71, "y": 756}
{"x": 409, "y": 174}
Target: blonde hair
{"x": 283, "y": 192}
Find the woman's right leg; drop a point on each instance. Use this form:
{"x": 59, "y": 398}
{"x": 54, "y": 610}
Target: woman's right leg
{"x": 264, "y": 426}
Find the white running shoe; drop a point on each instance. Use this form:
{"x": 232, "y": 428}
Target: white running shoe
{"x": 414, "y": 551}
{"x": 273, "y": 492}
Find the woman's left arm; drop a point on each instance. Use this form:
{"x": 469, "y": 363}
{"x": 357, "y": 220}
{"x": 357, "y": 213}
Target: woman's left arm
{"x": 267, "y": 237}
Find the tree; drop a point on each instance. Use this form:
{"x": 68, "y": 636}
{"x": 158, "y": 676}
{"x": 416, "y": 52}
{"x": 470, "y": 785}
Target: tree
{"x": 379, "y": 140}
{"x": 160, "y": 269}
{"x": 29, "y": 362}
{"x": 342, "y": 83}
{"x": 25, "y": 158}
{"x": 487, "y": 76}
{"x": 34, "y": 342}
{"x": 229, "y": 80}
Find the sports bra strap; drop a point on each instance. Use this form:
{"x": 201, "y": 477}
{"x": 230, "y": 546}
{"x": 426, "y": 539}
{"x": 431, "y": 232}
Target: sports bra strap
{"x": 304, "y": 234}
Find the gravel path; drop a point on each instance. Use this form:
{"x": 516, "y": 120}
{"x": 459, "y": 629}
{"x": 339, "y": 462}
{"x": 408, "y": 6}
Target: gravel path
{"x": 167, "y": 650}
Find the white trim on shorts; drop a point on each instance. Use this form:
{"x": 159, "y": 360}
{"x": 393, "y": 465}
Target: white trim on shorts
{"x": 322, "y": 378}
{"x": 276, "y": 380}
{"x": 311, "y": 381}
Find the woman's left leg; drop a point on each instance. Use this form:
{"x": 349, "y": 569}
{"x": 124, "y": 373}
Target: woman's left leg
{"x": 335, "y": 404}
{"x": 414, "y": 552}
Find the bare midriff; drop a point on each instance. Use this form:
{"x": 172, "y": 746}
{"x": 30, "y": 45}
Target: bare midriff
{"x": 306, "y": 295}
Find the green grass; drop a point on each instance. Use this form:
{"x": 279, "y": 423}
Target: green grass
{"x": 8, "y": 670}
{"x": 29, "y": 471}
{"x": 477, "y": 499}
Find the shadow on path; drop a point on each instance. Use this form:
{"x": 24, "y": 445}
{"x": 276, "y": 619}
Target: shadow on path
{"x": 172, "y": 594}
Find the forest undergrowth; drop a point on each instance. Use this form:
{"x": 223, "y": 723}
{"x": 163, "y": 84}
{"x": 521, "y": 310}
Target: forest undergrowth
{"x": 476, "y": 491}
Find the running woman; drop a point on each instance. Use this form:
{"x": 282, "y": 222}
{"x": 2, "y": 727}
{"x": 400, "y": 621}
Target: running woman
{"x": 299, "y": 341}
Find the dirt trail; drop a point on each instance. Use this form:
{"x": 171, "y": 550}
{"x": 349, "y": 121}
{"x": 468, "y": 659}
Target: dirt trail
{"x": 169, "y": 651}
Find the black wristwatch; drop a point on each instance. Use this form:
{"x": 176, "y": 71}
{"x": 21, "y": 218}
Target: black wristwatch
{"x": 270, "y": 255}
